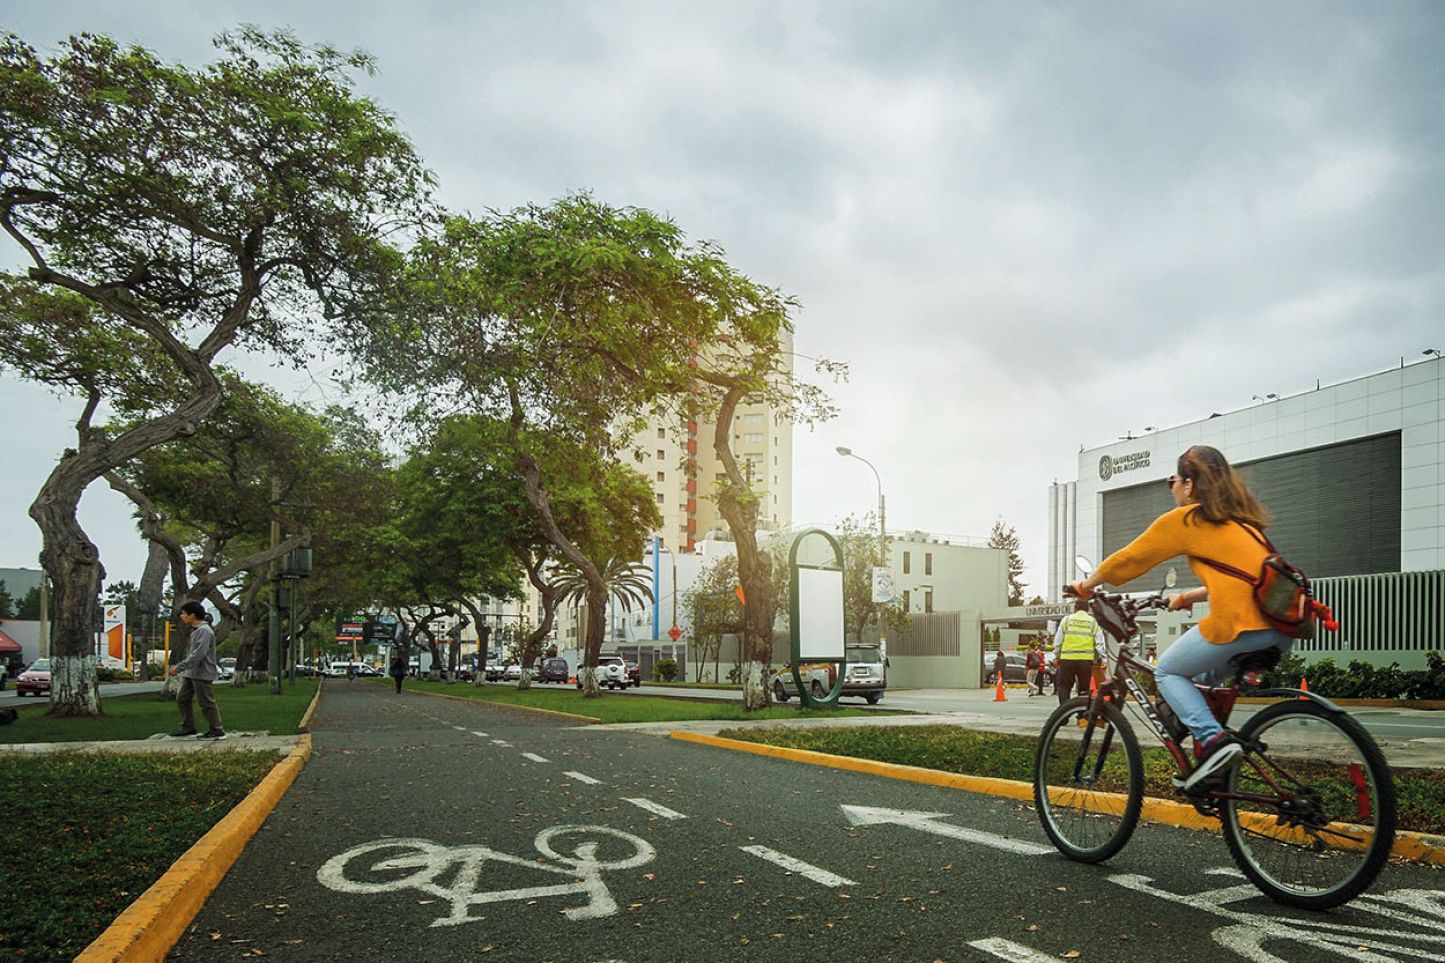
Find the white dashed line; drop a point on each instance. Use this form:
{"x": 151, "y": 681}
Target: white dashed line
{"x": 581, "y": 778}
{"x": 502, "y": 742}
{"x": 534, "y": 757}
{"x": 798, "y": 866}
{"x": 655, "y": 808}
{"x": 479, "y": 735}
{"x": 1009, "y": 950}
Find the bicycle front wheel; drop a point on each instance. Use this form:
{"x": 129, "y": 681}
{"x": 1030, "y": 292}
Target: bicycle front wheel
{"x": 1310, "y": 820}
{"x": 1088, "y": 781}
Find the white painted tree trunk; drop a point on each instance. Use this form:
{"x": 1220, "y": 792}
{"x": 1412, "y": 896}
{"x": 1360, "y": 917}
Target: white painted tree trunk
{"x": 588, "y": 675}
{"x": 755, "y": 688}
{"x": 73, "y": 683}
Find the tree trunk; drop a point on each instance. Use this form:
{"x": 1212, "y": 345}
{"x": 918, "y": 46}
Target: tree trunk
{"x": 72, "y": 562}
{"x": 738, "y": 503}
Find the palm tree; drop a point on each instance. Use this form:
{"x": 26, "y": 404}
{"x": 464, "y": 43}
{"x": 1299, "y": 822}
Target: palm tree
{"x": 629, "y": 583}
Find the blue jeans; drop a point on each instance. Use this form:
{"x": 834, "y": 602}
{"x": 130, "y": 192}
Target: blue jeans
{"x": 1195, "y": 659}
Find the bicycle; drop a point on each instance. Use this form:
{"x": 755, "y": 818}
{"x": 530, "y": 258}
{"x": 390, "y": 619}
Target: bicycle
{"x": 1309, "y": 816}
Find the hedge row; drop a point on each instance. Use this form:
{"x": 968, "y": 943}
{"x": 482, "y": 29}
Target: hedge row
{"x": 1362, "y": 680}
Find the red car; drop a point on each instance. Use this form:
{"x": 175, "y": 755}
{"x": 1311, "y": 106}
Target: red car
{"x": 35, "y": 680}
{"x": 634, "y": 672}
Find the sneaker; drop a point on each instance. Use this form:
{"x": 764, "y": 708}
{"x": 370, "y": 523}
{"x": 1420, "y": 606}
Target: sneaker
{"x": 216, "y": 734}
{"x": 1212, "y": 756}
{"x": 183, "y": 734}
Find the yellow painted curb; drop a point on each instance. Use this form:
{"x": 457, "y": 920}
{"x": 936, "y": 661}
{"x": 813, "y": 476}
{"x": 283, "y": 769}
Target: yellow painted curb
{"x": 153, "y": 924}
{"x": 305, "y": 724}
{"x": 586, "y": 720}
{"x": 1416, "y": 846}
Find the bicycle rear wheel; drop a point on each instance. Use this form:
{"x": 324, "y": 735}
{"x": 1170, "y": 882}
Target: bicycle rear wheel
{"x": 1088, "y": 782}
{"x": 1325, "y": 822}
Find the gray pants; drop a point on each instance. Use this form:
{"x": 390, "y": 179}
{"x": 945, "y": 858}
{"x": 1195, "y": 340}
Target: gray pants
{"x": 205, "y": 695}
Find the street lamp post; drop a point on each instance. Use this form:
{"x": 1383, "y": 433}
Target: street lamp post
{"x": 882, "y": 518}
{"x": 672, "y": 558}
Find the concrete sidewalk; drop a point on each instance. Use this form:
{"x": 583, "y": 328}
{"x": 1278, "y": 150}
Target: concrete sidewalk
{"x": 234, "y": 741}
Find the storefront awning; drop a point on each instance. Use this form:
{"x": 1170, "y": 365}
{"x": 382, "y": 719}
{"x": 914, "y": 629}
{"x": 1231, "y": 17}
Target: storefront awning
{"x": 8, "y": 646}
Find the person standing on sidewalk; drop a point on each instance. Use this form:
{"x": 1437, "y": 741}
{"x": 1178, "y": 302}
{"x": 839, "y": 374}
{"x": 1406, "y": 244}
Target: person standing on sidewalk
{"x": 198, "y": 673}
{"x": 1000, "y": 662}
{"x": 1076, "y": 644}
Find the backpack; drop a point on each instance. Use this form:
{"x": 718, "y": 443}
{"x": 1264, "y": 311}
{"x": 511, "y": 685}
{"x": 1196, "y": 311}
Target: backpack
{"x": 1281, "y": 591}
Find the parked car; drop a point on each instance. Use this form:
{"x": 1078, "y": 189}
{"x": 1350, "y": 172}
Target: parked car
{"x": 553, "y": 670}
{"x": 611, "y": 673}
{"x": 512, "y": 673}
{"x": 494, "y": 671}
{"x": 226, "y": 669}
{"x": 35, "y": 680}
{"x": 634, "y": 672}
{"x": 817, "y": 676}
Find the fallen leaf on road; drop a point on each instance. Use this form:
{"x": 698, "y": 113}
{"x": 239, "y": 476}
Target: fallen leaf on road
{"x": 1062, "y": 889}
{"x": 649, "y": 876}
{"x": 215, "y": 936}
{"x": 1071, "y": 955}
{"x": 1033, "y": 927}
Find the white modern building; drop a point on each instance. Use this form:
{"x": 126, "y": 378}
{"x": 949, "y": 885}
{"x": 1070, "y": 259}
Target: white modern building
{"x": 1353, "y": 475}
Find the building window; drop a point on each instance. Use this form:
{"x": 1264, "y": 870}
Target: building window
{"x": 661, "y": 454}
{"x": 659, "y": 498}
{"x": 906, "y": 600}
{"x": 775, "y": 459}
{"x": 907, "y": 563}
{"x": 927, "y": 556}
{"x": 928, "y": 600}
{"x": 662, "y": 476}
{"x": 753, "y": 419}
{"x": 662, "y": 432}
{"x": 752, "y": 437}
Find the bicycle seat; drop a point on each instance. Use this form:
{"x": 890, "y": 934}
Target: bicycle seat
{"x": 1261, "y": 661}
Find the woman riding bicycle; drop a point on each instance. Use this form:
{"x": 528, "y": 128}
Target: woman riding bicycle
{"x": 1216, "y": 518}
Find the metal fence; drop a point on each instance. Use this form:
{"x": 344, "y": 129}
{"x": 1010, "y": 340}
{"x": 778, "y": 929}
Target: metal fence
{"x": 1396, "y": 611}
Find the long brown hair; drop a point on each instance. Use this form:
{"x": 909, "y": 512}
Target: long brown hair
{"x": 1219, "y": 490}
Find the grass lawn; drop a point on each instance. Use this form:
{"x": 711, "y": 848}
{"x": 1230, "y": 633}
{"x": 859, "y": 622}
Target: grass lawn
{"x": 87, "y": 833}
{"x": 144, "y": 714}
{"x": 1421, "y": 792}
{"x": 617, "y": 707}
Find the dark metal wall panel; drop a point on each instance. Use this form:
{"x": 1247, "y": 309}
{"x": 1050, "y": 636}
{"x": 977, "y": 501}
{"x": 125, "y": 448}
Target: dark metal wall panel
{"x": 1335, "y": 510}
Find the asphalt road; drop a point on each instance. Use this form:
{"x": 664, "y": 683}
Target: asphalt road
{"x": 427, "y": 829}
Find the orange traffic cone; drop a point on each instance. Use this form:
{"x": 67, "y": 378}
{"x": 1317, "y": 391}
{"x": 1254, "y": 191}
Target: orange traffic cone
{"x": 1304, "y": 685}
{"x": 998, "y": 695}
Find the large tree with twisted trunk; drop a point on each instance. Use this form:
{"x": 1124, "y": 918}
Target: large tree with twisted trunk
{"x": 178, "y": 212}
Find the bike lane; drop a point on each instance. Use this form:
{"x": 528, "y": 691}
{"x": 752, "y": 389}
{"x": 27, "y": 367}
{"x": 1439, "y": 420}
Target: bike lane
{"x": 430, "y": 829}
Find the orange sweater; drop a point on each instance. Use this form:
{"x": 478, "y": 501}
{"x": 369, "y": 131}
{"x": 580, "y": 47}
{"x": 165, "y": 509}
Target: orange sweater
{"x": 1232, "y": 608}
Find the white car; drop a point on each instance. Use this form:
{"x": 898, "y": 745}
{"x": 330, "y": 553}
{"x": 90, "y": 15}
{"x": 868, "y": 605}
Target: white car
{"x": 611, "y": 672}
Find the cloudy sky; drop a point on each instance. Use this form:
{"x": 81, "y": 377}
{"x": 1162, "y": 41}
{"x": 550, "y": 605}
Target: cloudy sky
{"x": 1026, "y": 226}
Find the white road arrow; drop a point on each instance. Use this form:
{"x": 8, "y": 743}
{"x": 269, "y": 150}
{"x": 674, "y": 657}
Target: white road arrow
{"x": 869, "y": 816}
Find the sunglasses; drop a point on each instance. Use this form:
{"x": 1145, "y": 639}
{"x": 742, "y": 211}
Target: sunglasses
{"x": 1173, "y": 480}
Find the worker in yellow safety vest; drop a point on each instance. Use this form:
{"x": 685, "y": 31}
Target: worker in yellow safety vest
{"x": 1078, "y": 643}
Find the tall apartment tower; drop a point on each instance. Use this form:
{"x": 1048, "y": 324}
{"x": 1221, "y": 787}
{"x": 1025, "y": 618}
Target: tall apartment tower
{"x": 677, "y": 457}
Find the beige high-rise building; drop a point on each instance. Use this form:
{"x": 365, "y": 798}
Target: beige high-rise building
{"x": 677, "y": 457}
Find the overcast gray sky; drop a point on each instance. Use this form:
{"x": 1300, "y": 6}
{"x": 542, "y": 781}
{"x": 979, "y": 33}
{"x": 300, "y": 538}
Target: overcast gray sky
{"x": 1026, "y": 226}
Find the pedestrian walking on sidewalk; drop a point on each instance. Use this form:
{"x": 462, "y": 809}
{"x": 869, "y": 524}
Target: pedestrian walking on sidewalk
{"x": 398, "y": 668}
{"x": 999, "y": 664}
{"x": 1077, "y": 643}
{"x": 198, "y": 671}
{"x": 1034, "y": 668}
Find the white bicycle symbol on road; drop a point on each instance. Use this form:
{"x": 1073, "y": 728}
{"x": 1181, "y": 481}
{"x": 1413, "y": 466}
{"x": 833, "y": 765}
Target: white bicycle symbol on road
{"x": 423, "y": 864}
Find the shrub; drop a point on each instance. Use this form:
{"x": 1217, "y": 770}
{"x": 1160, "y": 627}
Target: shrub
{"x": 1361, "y": 680}
{"x": 664, "y": 670}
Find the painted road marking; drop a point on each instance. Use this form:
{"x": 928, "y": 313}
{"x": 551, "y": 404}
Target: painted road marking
{"x": 502, "y": 742}
{"x": 798, "y": 866}
{"x": 1421, "y": 911}
{"x": 581, "y": 778}
{"x": 653, "y": 807}
{"x": 1009, "y": 950}
{"x": 423, "y": 862}
{"x": 869, "y": 816}
{"x": 534, "y": 757}
{"x": 479, "y": 735}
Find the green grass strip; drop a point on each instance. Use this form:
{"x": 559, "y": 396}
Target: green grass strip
{"x": 622, "y": 707}
{"x": 89, "y": 832}
{"x": 1421, "y": 792}
{"x": 139, "y": 716}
